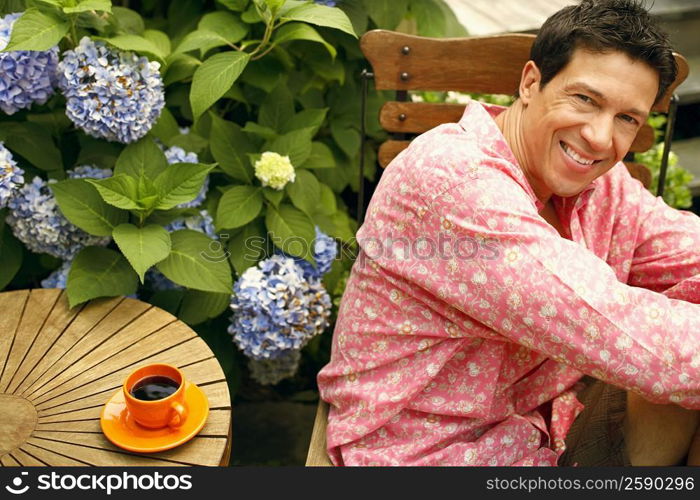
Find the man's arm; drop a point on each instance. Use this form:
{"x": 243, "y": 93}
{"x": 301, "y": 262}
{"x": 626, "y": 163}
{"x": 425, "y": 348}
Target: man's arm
{"x": 667, "y": 256}
{"x": 552, "y": 295}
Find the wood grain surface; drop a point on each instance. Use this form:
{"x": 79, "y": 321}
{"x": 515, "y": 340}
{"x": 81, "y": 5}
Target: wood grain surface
{"x": 488, "y": 64}
{"x": 59, "y": 366}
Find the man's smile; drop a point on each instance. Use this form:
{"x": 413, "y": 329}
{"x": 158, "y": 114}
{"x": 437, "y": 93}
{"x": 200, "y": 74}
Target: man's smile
{"x": 576, "y": 156}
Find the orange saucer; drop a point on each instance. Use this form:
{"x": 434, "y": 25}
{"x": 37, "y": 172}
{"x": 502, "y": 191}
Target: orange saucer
{"x": 121, "y": 429}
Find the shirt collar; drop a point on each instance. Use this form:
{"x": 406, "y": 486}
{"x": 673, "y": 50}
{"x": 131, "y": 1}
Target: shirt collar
{"x": 479, "y": 117}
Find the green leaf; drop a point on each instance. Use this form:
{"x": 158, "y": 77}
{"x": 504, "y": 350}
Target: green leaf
{"x": 291, "y": 230}
{"x": 180, "y": 183}
{"x": 238, "y": 206}
{"x": 235, "y": 5}
{"x": 328, "y": 204}
{"x": 99, "y": 272}
{"x": 165, "y": 217}
{"x": 36, "y": 30}
{"x": 296, "y": 145}
{"x": 301, "y": 31}
{"x": 213, "y": 78}
{"x": 142, "y": 159}
{"x": 320, "y": 15}
{"x": 308, "y": 118}
{"x": 189, "y": 142}
{"x": 35, "y": 143}
{"x": 166, "y": 127}
{"x": 277, "y": 108}
{"x": 128, "y": 21}
{"x": 201, "y": 39}
{"x": 326, "y": 68}
{"x": 264, "y": 132}
{"x": 321, "y": 156}
{"x": 229, "y": 147}
{"x": 355, "y": 11}
{"x": 197, "y": 262}
{"x": 305, "y": 191}
{"x": 224, "y": 24}
{"x": 136, "y": 44}
{"x": 247, "y": 247}
{"x": 386, "y": 14}
{"x": 347, "y": 138}
{"x": 273, "y": 195}
{"x": 11, "y": 254}
{"x": 251, "y": 15}
{"x": 159, "y": 39}
{"x": 143, "y": 247}
{"x": 274, "y": 5}
{"x": 453, "y": 27}
{"x": 264, "y": 73}
{"x": 120, "y": 191}
{"x": 22, "y": 4}
{"x": 168, "y": 300}
{"x": 180, "y": 67}
{"x": 197, "y": 306}
{"x": 86, "y": 5}
{"x": 430, "y": 19}
{"x": 83, "y": 206}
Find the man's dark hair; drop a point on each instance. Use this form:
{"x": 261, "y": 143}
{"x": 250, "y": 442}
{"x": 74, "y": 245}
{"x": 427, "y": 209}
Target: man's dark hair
{"x": 603, "y": 26}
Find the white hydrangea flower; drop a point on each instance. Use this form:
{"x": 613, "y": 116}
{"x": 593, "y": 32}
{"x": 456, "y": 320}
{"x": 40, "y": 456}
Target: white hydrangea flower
{"x": 274, "y": 170}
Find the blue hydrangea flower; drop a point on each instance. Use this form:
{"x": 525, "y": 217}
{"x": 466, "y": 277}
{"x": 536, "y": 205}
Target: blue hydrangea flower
{"x": 277, "y": 309}
{"x": 325, "y": 252}
{"x": 176, "y": 154}
{"x": 272, "y": 371}
{"x": 37, "y": 221}
{"x": 89, "y": 172}
{"x": 58, "y": 278}
{"x": 26, "y": 76}
{"x": 327, "y": 3}
{"x": 113, "y": 95}
{"x": 11, "y": 176}
{"x": 202, "y": 223}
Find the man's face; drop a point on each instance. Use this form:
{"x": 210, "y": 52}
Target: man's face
{"x": 584, "y": 120}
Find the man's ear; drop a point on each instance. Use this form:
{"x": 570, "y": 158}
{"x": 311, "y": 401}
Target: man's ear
{"x": 529, "y": 81}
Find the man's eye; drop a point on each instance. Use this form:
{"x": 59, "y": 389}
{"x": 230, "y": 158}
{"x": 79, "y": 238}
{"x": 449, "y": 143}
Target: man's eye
{"x": 628, "y": 119}
{"x": 584, "y": 98}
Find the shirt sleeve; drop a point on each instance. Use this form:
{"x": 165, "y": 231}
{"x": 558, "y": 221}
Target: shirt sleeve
{"x": 502, "y": 265}
{"x": 667, "y": 252}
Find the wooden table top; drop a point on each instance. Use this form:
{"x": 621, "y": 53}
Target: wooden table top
{"x": 59, "y": 366}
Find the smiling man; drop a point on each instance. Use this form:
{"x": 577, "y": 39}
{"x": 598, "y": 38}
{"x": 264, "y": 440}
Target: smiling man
{"x": 519, "y": 299}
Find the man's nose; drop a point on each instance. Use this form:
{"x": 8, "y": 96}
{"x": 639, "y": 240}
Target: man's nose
{"x": 598, "y": 132}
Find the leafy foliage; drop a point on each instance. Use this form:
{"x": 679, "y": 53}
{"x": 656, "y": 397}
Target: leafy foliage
{"x": 241, "y": 78}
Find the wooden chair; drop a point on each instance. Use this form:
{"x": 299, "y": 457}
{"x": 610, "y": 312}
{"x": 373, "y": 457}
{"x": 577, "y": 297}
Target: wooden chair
{"x": 490, "y": 65}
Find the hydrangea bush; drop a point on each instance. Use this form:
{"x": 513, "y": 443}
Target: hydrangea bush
{"x": 206, "y": 153}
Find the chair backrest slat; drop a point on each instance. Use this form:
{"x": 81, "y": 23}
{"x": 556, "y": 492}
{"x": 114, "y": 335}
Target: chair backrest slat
{"x": 489, "y": 64}
{"x": 446, "y": 64}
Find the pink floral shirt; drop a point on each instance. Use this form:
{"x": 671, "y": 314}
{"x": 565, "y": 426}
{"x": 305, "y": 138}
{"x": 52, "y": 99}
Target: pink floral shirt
{"x": 468, "y": 320}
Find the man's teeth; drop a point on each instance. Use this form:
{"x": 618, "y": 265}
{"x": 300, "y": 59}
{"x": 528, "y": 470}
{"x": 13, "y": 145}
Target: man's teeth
{"x": 574, "y": 156}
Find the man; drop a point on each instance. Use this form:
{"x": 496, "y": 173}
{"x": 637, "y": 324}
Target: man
{"x": 512, "y": 273}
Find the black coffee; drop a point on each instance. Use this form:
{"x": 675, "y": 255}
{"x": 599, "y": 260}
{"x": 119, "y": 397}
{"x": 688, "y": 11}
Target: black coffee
{"x": 154, "y": 387}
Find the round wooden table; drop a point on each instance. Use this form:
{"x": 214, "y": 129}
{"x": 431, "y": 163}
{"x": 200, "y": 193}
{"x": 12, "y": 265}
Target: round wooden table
{"x": 59, "y": 366}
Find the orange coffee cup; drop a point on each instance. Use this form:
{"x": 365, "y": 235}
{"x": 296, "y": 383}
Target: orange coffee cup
{"x": 156, "y": 413}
